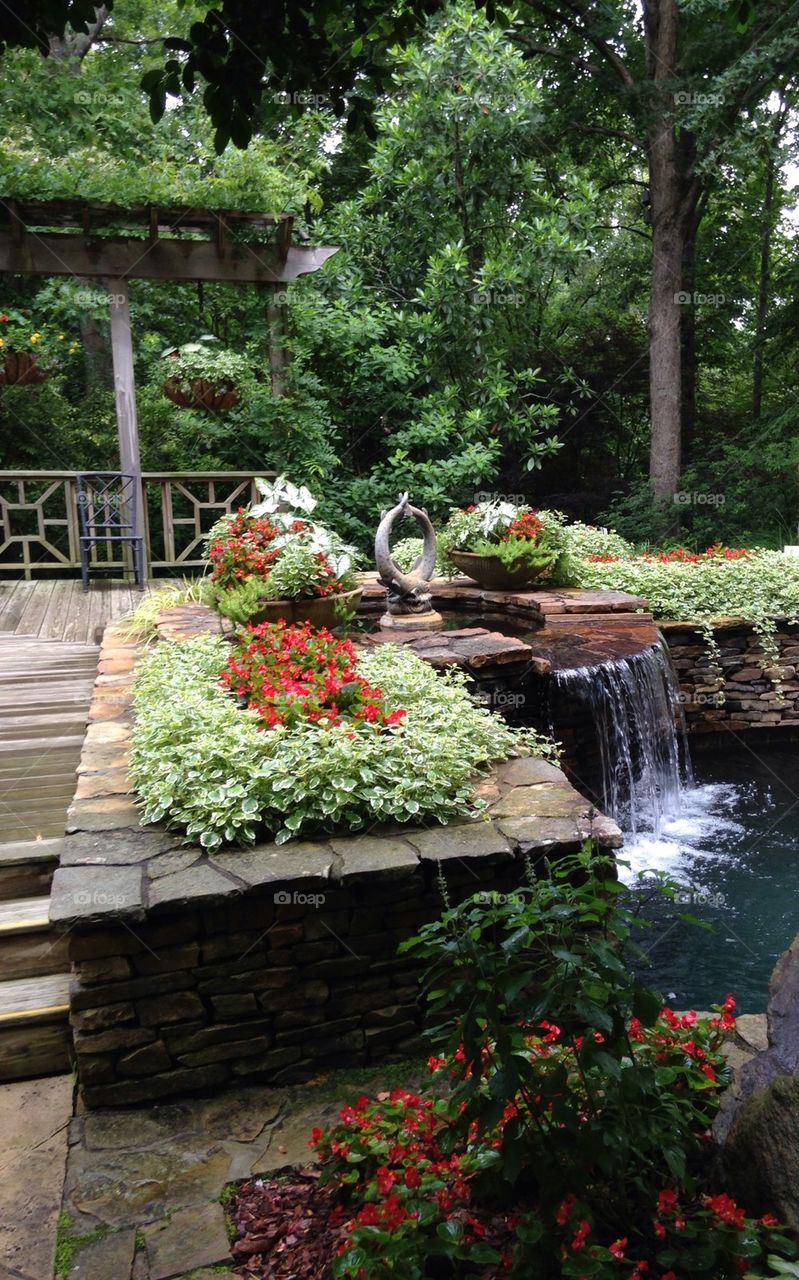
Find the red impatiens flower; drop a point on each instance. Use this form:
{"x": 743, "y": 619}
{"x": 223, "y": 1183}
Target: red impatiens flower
{"x": 290, "y": 674}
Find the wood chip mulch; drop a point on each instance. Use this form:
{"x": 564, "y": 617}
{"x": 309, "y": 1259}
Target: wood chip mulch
{"x": 292, "y": 1228}
{"x": 288, "y": 1228}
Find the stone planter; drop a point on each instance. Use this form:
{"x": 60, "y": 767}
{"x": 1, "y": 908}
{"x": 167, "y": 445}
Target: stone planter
{"x": 195, "y": 971}
{"x": 490, "y": 572}
{"x": 21, "y": 369}
{"x": 202, "y": 394}
{"x": 320, "y": 611}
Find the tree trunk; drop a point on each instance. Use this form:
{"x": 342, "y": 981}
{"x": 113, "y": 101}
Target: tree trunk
{"x": 665, "y": 301}
{"x": 98, "y": 369}
{"x": 279, "y": 358}
{"x": 666, "y": 185}
{"x": 688, "y": 321}
{"x": 764, "y": 286}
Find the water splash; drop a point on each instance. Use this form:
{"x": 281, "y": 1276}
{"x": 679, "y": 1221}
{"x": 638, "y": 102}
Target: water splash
{"x": 635, "y": 705}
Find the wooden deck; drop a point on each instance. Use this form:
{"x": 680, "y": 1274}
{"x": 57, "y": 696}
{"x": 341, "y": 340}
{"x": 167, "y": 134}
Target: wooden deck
{"x": 60, "y": 610}
{"x": 45, "y": 690}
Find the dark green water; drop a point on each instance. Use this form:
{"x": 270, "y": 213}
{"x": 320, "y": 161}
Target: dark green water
{"x": 734, "y": 847}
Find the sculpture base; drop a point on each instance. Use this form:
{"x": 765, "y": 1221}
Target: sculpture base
{"x": 429, "y": 621}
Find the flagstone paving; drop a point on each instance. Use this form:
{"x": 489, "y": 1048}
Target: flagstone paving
{"x": 34, "y": 1119}
{"x": 153, "y": 1179}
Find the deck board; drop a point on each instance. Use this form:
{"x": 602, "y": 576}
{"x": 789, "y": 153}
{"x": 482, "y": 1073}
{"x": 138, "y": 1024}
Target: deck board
{"x": 60, "y": 610}
{"x": 45, "y": 690}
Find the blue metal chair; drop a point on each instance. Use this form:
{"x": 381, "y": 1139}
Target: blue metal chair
{"x": 107, "y": 512}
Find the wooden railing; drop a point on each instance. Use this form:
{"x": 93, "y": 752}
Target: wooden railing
{"x": 39, "y": 526}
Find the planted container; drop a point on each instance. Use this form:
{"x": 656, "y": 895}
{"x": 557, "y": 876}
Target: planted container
{"x": 490, "y": 572}
{"x": 320, "y": 611}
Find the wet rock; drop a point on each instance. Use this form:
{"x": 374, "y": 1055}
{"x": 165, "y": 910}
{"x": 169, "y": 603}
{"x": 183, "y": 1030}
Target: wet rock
{"x": 761, "y": 1155}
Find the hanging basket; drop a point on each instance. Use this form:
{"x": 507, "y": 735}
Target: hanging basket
{"x": 21, "y": 369}
{"x": 200, "y": 393}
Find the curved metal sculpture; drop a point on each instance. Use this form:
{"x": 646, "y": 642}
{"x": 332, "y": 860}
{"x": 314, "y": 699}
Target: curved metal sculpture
{"x": 408, "y": 593}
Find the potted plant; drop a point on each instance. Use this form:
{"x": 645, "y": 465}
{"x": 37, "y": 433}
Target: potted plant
{"x": 203, "y": 374}
{"x": 28, "y": 353}
{"x": 503, "y": 546}
{"x": 271, "y": 562}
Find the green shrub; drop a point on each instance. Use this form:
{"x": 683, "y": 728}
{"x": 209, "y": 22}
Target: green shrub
{"x": 203, "y": 765}
{"x": 565, "y": 1134}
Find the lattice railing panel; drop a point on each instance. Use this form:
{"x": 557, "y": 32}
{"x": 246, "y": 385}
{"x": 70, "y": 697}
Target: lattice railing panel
{"x": 39, "y": 526}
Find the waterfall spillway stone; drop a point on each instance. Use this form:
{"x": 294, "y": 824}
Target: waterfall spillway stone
{"x": 634, "y": 704}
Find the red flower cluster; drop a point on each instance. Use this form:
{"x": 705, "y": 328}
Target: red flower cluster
{"x": 527, "y": 526}
{"x": 679, "y": 555}
{"x": 246, "y": 550}
{"x": 293, "y": 673}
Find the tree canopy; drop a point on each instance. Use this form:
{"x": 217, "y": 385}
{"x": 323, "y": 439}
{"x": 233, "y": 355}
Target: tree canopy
{"x": 562, "y": 270}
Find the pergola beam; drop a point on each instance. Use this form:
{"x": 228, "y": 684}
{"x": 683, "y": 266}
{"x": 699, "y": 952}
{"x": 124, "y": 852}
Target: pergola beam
{"x": 95, "y": 240}
{"x": 234, "y": 262}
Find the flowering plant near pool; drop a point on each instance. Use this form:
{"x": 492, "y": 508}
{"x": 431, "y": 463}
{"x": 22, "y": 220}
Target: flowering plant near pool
{"x": 265, "y": 553}
{"x": 566, "y": 1128}
{"x": 219, "y": 773}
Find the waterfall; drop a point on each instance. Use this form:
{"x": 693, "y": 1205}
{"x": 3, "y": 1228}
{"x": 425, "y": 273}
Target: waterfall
{"x": 635, "y": 706}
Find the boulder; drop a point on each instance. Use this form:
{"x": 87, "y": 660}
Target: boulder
{"x": 761, "y": 1154}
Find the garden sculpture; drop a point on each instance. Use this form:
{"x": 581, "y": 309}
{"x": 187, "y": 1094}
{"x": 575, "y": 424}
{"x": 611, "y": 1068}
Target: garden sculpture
{"x": 409, "y": 602}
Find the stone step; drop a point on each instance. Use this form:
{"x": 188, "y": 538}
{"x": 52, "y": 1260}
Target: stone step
{"x": 29, "y": 948}
{"x": 26, "y": 867}
{"x": 34, "y": 1026}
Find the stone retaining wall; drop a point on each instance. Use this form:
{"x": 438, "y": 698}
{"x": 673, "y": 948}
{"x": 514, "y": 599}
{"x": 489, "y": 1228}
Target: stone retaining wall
{"x": 193, "y": 970}
{"x": 750, "y": 699}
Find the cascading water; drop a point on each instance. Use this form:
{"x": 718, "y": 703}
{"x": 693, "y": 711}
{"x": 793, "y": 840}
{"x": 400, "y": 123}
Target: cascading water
{"x": 634, "y": 703}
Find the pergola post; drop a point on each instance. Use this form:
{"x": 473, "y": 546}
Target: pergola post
{"x": 125, "y": 393}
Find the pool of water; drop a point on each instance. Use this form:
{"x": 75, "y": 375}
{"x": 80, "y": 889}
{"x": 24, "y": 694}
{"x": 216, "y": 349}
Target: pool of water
{"x": 733, "y": 845}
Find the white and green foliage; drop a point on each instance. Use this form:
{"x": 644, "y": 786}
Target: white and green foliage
{"x": 761, "y": 584}
{"x": 206, "y": 358}
{"x": 203, "y": 765}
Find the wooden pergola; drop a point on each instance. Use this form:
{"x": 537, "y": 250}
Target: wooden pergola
{"x": 115, "y": 245}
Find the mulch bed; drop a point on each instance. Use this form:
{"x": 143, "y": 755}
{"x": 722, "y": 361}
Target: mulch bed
{"x": 291, "y": 1228}
{"x": 288, "y": 1228}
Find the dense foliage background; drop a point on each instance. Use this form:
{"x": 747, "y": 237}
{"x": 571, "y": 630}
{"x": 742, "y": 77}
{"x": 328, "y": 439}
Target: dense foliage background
{"x": 483, "y": 327}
